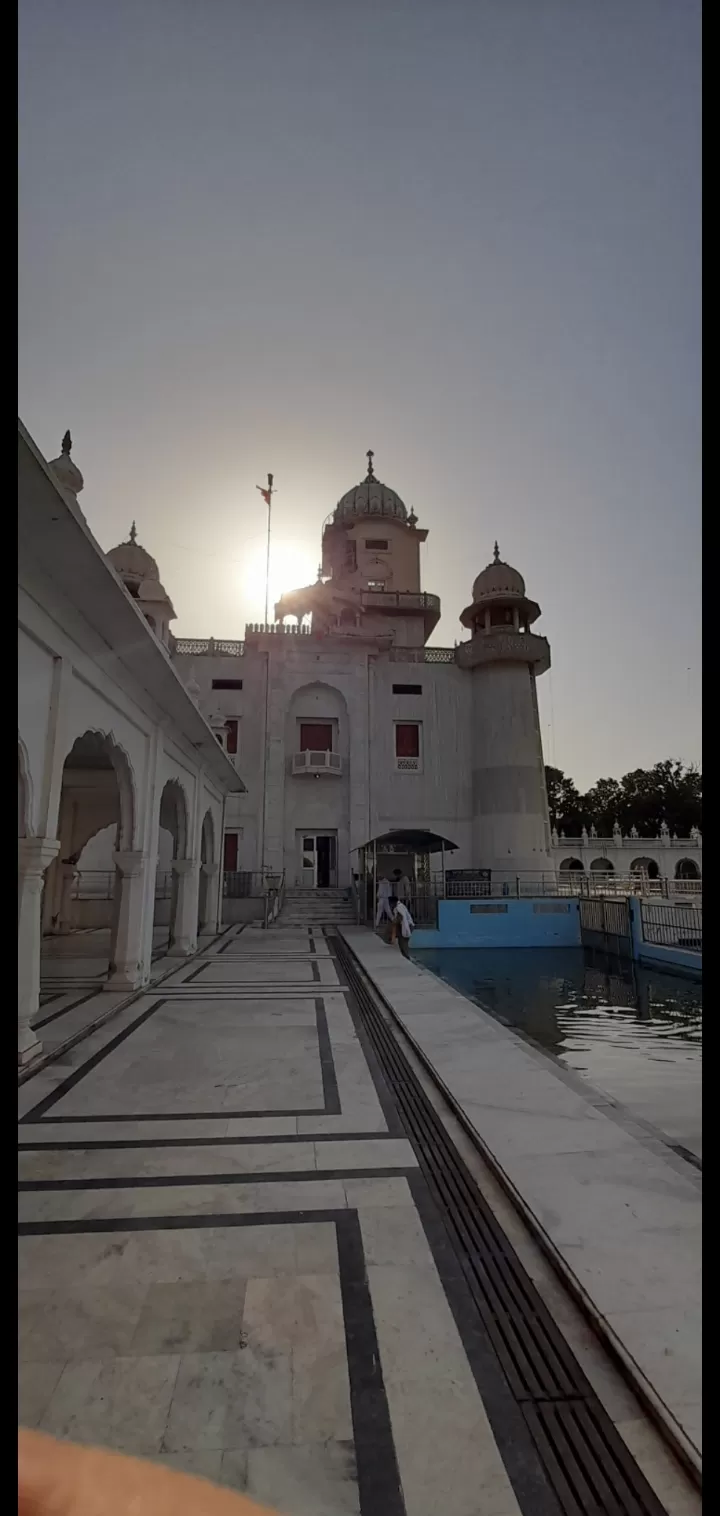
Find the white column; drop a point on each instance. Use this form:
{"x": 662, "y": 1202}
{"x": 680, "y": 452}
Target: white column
{"x": 128, "y": 969}
{"x": 210, "y": 903}
{"x": 35, "y": 854}
{"x": 187, "y": 872}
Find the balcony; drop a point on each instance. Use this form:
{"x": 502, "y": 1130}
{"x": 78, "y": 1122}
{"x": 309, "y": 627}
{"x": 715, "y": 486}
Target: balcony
{"x": 316, "y": 762}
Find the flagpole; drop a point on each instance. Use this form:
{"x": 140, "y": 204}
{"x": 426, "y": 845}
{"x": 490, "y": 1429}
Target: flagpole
{"x": 267, "y": 495}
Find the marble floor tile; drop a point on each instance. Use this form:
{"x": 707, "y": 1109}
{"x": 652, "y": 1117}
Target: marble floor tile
{"x": 69, "y": 1324}
{"x": 190, "y": 1318}
{"x": 304, "y": 1481}
{"x": 36, "y": 1385}
{"x": 230, "y": 1400}
{"x": 119, "y": 1403}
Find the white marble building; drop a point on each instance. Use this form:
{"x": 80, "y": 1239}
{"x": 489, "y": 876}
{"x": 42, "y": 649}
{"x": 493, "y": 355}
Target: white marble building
{"x": 347, "y": 724}
{"x": 110, "y": 743}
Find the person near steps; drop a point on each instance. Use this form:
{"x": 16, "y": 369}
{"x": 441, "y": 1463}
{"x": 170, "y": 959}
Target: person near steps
{"x": 403, "y": 925}
{"x": 383, "y": 902}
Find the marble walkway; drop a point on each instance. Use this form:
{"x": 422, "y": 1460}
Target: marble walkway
{"x": 620, "y": 1211}
{"x": 229, "y": 1259}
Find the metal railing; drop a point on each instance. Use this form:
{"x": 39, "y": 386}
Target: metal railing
{"x": 94, "y": 884}
{"x": 672, "y": 925}
{"x": 246, "y": 884}
{"x": 274, "y": 898}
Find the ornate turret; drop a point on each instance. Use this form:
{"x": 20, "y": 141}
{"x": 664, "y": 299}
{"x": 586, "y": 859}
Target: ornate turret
{"x": 511, "y": 825}
{"x": 141, "y": 577}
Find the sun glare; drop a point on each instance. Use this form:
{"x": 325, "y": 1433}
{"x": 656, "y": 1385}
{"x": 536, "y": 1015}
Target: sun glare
{"x": 292, "y": 566}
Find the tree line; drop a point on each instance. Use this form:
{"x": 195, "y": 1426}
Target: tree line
{"x": 669, "y": 792}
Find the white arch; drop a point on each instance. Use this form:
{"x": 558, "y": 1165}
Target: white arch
{"x": 106, "y": 743}
{"x": 174, "y": 814}
{"x": 572, "y": 866}
{"x": 687, "y": 868}
{"x": 602, "y": 866}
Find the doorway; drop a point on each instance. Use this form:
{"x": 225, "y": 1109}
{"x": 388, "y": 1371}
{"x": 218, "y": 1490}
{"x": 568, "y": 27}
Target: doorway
{"x": 319, "y": 860}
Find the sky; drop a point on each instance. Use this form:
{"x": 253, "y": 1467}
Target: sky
{"x": 270, "y": 234}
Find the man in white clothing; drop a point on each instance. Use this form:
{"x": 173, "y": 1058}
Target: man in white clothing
{"x": 383, "y": 902}
{"x": 403, "y": 925}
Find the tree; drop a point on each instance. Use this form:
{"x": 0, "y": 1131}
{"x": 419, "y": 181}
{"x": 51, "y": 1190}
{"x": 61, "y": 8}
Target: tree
{"x": 602, "y": 805}
{"x": 668, "y": 793}
{"x": 564, "y": 802}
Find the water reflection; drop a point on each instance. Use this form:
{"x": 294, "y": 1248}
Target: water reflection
{"x": 571, "y": 1000}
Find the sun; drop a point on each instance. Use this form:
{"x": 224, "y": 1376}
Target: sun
{"x": 292, "y": 565}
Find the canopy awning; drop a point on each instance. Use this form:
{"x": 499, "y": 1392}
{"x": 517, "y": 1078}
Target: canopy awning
{"x": 412, "y": 841}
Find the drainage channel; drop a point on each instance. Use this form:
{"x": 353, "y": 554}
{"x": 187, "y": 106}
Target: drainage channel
{"x": 585, "y": 1460}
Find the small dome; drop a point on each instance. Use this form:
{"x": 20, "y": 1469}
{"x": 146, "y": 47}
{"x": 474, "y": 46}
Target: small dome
{"x": 498, "y": 580}
{"x": 371, "y": 498}
{"x": 131, "y": 561}
{"x": 66, "y": 472}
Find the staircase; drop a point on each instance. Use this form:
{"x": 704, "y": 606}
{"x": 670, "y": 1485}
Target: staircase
{"x": 308, "y": 908}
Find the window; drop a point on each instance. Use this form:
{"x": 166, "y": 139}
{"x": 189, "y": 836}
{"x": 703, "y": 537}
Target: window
{"x": 227, "y": 684}
{"x": 230, "y": 852}
{"x": 378, "y": 544}
{"x": 231, "y": 744}
{"x": 407, "y": 689}
{"x": 407, "y": 746}
{"x": 316, "y": 736}
{"x": 351, "y": 554}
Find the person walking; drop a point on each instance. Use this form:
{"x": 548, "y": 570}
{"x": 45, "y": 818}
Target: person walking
{"x": 383, "y": 902}
{"x": 403, "y": 925}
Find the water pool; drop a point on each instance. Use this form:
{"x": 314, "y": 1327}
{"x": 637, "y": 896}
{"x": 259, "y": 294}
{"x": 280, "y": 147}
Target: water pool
{"x": 633, "y": 1032}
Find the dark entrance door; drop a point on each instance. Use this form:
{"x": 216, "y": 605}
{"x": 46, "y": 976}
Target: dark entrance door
{"x": 325, "y": 862}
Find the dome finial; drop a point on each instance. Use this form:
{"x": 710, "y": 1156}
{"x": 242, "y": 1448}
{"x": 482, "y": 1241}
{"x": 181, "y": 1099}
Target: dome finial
{"x": 66, "y": 445}
{"x": 370, "y": 455}
{"x": 496, "y": 553}
{"x": 133, "y": 533}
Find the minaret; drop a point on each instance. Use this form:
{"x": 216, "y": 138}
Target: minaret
{"x": 511, "y": 823}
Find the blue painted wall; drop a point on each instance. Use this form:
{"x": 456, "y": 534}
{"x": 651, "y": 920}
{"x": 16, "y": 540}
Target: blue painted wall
{"x": 503, "y": 924}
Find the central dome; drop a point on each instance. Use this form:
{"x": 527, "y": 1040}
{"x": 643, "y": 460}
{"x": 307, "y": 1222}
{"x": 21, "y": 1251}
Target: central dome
{"x": 371, "y": 498}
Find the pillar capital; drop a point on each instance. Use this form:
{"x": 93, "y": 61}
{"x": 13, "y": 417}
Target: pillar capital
{"x": 35, "y": 854}
{"x": 183, "y": 865}
{"x": 210, "y": 869}
{"x": 129, "y": 864}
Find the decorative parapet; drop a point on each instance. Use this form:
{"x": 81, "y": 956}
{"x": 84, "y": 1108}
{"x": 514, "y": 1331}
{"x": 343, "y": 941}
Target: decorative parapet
{"x": 633, "y": 840}
{"x": 211, "y": 647}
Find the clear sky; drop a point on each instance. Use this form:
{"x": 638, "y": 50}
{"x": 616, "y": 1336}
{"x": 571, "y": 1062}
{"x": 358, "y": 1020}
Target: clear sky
{"x": 269, "y": 234}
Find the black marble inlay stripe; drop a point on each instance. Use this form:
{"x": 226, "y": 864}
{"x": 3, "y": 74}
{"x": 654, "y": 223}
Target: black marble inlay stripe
{"x": 379, "y": 1483}
{"x": 379, "y": 1486}
{"x": 327, "y": 1069}
{"x": 171, "y": 1181}
{"x": 230, "y": 940}
{"x": 331, "y": 1093}
{"x": 100, "y": 1144}
{"x": 89, "y": 995}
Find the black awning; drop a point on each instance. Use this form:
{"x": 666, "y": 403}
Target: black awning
{"x": 413, "y": 841}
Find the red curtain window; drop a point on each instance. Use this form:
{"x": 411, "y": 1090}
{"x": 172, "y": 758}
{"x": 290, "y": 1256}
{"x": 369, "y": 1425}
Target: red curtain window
{"x": 231, "y": 727}
{"x": 407, "y": 739}
{"x": 230, "y": 852}
{"x": 315, "y": 736}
